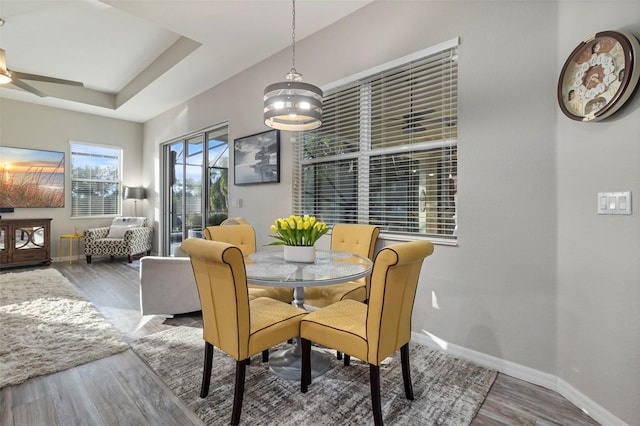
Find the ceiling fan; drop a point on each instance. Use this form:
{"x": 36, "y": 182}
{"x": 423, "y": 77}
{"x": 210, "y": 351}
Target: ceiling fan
{"x": 413, "y": 120}
{"x": 418, "y": 121}
{"x": 16, "y": 78}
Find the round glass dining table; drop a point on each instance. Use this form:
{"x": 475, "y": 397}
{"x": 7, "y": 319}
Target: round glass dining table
{"x": 269, "y": 268}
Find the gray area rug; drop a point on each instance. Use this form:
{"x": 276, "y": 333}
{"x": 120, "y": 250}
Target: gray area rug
{"x": 46, "y": 326}
{"x": 447, "y": 391}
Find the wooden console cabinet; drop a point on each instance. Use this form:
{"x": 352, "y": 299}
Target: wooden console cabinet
{"x": 25, "y": 242}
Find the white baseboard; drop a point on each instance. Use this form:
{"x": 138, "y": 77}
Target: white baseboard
{"x": 549, "y": 381}
{"x": 593, "y": 409}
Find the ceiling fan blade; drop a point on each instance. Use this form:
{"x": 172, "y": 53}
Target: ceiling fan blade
{"x": 36, "y": 77}
{"x": 415, "y": 115}
{"x": 447, "y": 121}
{"x": 24, "y": 86}
{"x": 413, "y": 128}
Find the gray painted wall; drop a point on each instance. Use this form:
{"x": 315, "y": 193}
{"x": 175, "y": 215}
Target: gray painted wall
{"x": 598, "y": 302}
{"x": 26, "y": 125}
{"x": 537, "y": 279}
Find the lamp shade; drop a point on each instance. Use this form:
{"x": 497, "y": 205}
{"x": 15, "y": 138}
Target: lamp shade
{"x": 5, "y": 74}
{"x": 136, "y": 193}
{"x": 5, "y": 77}
{"x": 293, "y": 105}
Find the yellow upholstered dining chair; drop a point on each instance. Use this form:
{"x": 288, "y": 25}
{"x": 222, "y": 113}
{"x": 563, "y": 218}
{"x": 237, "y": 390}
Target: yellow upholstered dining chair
{"x": 353, "y": 238}
{"x": 235, "y": 221}
{"x": 372, "y": 332}
{"x": 243, "y": 236}
{"x": 231, "y": 322}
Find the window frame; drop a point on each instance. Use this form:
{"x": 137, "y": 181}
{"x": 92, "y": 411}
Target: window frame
{"x": 365, "y": 153}
{"x": 117, "y": 181}
{"x": 176, "y": 223}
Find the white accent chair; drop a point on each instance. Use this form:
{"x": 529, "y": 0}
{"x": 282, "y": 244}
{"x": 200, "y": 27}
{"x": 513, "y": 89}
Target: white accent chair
{"x": 167, "y": 285}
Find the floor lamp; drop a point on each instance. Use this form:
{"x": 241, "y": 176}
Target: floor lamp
{"x": 135, "y": 194}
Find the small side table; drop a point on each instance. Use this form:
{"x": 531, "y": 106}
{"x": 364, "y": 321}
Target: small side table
{"x": 69, "y": 237}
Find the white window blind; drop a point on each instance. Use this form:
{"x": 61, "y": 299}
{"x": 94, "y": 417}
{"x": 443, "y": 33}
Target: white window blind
{"x": 386, "y": 152}
{"x": 95, "y": 180}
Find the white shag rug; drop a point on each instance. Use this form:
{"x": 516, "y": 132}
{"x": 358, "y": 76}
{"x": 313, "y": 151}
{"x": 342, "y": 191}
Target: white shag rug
{"x": 46, "y": 326}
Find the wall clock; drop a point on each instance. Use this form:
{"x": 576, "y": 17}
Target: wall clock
{"x": 599, "y": 76}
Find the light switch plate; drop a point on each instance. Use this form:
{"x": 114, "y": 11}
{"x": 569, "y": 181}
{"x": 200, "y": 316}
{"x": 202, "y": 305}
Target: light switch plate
{"x": 614, "y": 202}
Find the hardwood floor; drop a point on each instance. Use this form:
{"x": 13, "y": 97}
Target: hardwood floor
{"x": 121, "y": 389}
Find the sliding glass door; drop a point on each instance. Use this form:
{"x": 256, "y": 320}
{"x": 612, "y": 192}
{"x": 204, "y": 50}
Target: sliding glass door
{"x": 195, "y": 185}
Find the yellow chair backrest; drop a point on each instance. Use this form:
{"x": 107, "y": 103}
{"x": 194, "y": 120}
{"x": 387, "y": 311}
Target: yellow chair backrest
{"x": 242, "y": 236}
{"x": 394, "y": 280}
{"x": 355, "y": 238}
{"x": 235, "y": 221}
{"x": 220, "y": 275}
{"x": 358, "y": 239}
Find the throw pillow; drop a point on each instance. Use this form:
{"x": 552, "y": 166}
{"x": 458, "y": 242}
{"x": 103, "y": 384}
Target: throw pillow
{"x": 120, "y": 225}
{"x": 116, "y": 231}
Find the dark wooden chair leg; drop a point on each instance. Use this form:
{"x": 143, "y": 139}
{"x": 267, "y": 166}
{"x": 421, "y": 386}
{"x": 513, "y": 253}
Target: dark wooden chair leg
{"x": 347, "y": 360}
{"x": 305, "y": 374}
{"x": 129, "y": 258}
{"x": 148, "y": 252}
{"x": 241, "y": 369}
{"x": 339, "y": 355}
{"x": 206, "y": 373}
{"x": 374, "y": 374}
{"x": 406, "y": 372}
{"x": 265, "y": 355}
{"x": 88, "y": 258}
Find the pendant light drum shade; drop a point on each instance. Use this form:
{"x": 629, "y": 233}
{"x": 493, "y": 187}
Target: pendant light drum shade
{"x": 293, "y": 105}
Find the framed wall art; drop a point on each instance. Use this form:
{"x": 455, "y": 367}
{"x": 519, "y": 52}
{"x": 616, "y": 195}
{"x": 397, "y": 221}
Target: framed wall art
{"x": 31, "y": 178}
{"x": 256, "y": 158}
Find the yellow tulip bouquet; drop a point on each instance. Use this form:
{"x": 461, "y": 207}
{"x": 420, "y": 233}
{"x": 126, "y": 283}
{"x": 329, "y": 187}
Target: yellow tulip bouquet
{"x": 297, "y": 231}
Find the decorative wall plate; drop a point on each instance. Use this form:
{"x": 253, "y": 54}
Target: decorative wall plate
{"x": 599, "y": 76}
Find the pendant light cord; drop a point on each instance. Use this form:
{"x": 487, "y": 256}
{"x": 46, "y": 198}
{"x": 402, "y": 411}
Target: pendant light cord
{"x": 293, "y": 39}
{"x": 292, "y": 105}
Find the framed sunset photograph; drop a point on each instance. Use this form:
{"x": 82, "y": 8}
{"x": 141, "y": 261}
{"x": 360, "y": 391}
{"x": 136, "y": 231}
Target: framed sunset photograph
{"x": 31, "y": 178}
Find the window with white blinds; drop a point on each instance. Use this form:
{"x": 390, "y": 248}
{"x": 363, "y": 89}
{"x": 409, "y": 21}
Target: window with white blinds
{"x": 386, "y": 153}
{"x": 95, "y": 180}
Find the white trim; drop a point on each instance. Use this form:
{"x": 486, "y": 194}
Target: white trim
{"x": 449, "y": 44}
{"x": 531, "y": 375}
{"x": 586, "y": 404}
{"x": 435, "y": 239}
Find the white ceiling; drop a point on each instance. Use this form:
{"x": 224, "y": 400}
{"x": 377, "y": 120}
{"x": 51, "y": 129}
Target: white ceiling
{"x": 139, "y": 58}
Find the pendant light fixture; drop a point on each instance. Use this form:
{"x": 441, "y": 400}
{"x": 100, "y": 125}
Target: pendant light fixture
{"x": 292, "y": 104}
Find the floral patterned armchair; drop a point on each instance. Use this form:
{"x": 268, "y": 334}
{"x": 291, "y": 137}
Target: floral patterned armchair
{"x": 125, "y": 237}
